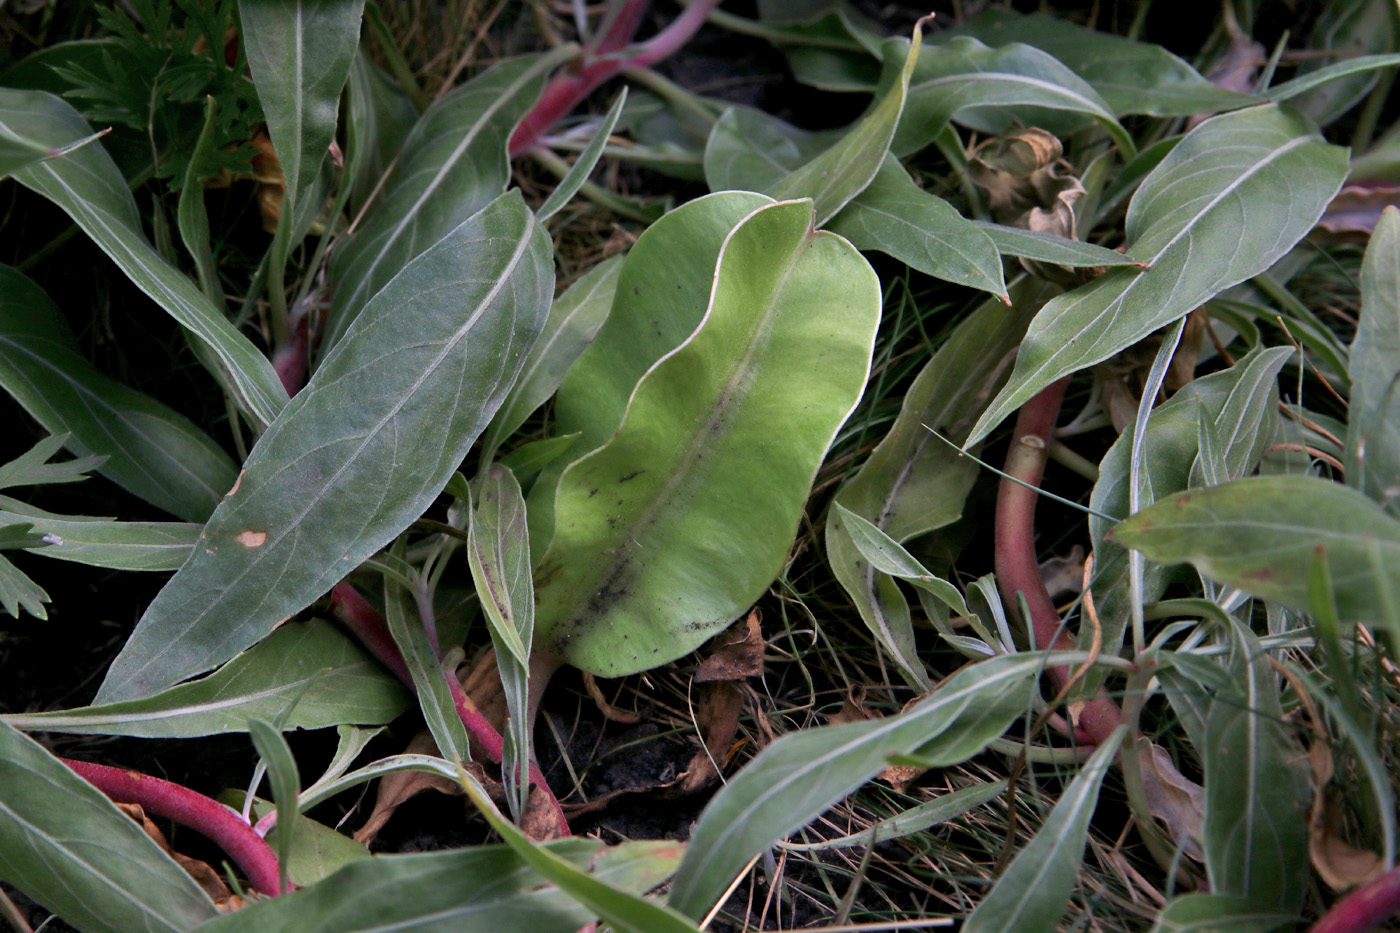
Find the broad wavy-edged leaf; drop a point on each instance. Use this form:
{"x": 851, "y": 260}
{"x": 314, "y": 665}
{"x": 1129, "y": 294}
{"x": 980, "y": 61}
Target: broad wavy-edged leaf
{"x": 913, "y": 482}
{"x": 312, "y": 669}
{"x": 156, "y": 546}
{"x": 427, "y": 894}
{"x": 803, "y": 773}
{"x": 661, "y": 295}
{"x": 150, "y": 450}
{"x": 1240, "y": 404}
{"x": 749, "y": 150}
{"x": 360, "y": 453}
{"x": 90, "y": 189}
{"x": 1133, "y": 77}
{"x": 573, "y": 322}
{"x": 1373, "y": 418}
{"x": 299, "y": 54}
{"x": 1264, "y": 533}
{"x": 451, "y": 166}
{"x": 1030, "y": 895}
{"x": 842, "y": 172}
{"x": 667, "y": 533}
{"x": 1233, "y": 196}
{"x": 896, "y": 216}
{"x": 1047, "y": 247}
{"x": 63, "y": 843}
{"x": 1255, "y": 834}
{"x": 991, "y": 89}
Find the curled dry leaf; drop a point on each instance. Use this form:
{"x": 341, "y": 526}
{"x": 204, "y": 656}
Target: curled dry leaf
{"x": 394, "y": 789}
{"x": 203, "y": 874}
{"x": 739, "y": 653}
{"x": 737, "y": 656}
{"x": 595, "y": 693}
{"x": 853, "y": 709}
{"x": 1173, "y": 798}
{"x": 1357, "y": 208}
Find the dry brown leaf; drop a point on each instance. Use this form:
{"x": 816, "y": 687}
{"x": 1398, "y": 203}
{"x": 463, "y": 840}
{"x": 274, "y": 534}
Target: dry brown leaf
{"x": 852, "y": 710}
{"x": 738, "y": 654}
{"x": 1340, "y": 864}
{"x": 1357, "y": 207}
{"x": 541, "y": 821}
{"x": 394, "y": 789}
{"x": 901, "y": 776}
{"x": 717, "y": 718}
{"x": 590, "y": 683}
{"x": 209, "y": 880}
{"x": 1172, "y": 797}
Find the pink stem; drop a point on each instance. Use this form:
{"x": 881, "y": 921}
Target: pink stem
{"x": 1364, "y": 909}
{"x": 369, "y": 626}
{"x": 1017, "y": 569}
{"x": 566, "y": 91}
{"x": 205, "y": 816}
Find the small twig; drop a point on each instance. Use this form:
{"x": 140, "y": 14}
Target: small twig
{"x": 202, "y": 814}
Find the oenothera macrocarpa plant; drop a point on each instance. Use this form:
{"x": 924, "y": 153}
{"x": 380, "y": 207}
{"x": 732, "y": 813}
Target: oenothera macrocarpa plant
{"x": 699, "y": 384}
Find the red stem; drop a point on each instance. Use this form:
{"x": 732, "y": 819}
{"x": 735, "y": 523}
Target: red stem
{"x": 373, "y": 631}
{"x": 205, "y": 816}
{"x": 1364, "y": 909}
{"x": 1017, "y": 569}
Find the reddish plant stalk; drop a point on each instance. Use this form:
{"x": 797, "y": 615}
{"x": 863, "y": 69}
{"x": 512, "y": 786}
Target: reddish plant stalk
{"x": 369, "y": 626}
{"x": 1017, "y": 569}
{"x": 1364, "y": 909}
{"x": 603, "y": 60}
{"x": 208, "y": 817}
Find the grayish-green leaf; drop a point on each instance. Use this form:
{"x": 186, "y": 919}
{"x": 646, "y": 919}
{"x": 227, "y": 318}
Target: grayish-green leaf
{"x": 429, "y": 679}
{"x": 157, "y": 546}
{"x": 896, "y": 216}
{"x": 1030, "y": 895}
{"x": 427, "y": 894}
{"x": 1046, "y": 247}
{"x": 749, "y": 150}
{"x": 360, "y": 453}
{"x": 1373, "y": 419}
{"x": 192, "y": 217}
{"x": 803, "y": 773}
{"x": 67, "y": 846}
{"x": 378, "y": 118}
{"x": 668, "y": 532}
{"x": 1326, "y": 88}
{"x": 87, "y": 185}
{"x": 32, "y": 468}
{"x": 940, "y": 809}
{"x": 574, "y": 320}
{"x": 451, "y": 166}
{"x": 315, "y": 850}
{"x": 314, "y": 664}
{"x": 1233, "y": 196}
{"x": 1219, "y": 913}
{"x": 584, "y": 164}
{"x": 150, "y": 449}
{"x": 18, "y": 591}
{"x": 282, "y": 773}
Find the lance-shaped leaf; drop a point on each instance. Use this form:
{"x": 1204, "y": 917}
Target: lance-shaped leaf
{"x": 749, "y": 150}
{"x": 661, "y": 295}
{"x": 300, "y": 54}
{"x": 1263, "y": 534}
{"x": 914, "y": 482}
{"x": 378, "y": 118}
{"x": 990, "y": 89}
{"x": 800, "y": 775}
{"x": 67, "y": 846}
{"x": 1233, "y": 196}
{"x": 150, "y": 449}
{"x": 1030, "y": 896}
{"x": 1220, "y": 913}
{"x": 1047, "y": 247}
{"x": 896, "y": 216}
{"x": 157, "y": 546}
{"x": 312, "y": 668}
{"x": 1133, "y": 77}
{"x": 88, "y": 186}
{"x": 360, "y": 453}
{"x": 842, "y": 172}
{"x": 1373, "y": 418}
{"x": 426, "y": 893}
{"x": 451, "y": 166}
{"x": 669, "y": 531}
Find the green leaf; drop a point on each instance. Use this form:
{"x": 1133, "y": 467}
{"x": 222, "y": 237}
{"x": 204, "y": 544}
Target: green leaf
{"x": 1047, "y": 247}
{"x": 661, "y": 295}
{"x": 1289, "y": 90}
{"x": 573, "y": 322}
{"x": 18, "y": 591}
{"x": 67, "y": 846}
{"x": 1263, "y": 533}
{"x": 19, "y": 535}
{"x": 941, "y": 809}
{"x": 896, "y": 216}
{"x": 1255, "y": 834}
{"x": 16, "y": 151}
{"x": 360, "y": 453}
{"x": 316, "y": 850}
{"x": 429, "y": 680}
{"x": 1133, "y": 77}
{"x": 1219, "y": 913}
{"x": 913, "y": 482}
{"x": 1030, "y": 896}
{"x": 584, "y": 164}
{"x": 990, "y": 89}
{"x": 621, "y": 910}
{"x": 312, "y": 664}
{"x": 378, "y": 118}
{"x": 1373, "y": 418}
{"x": 282, "y": 773}
{"x": 452, "y": 165}
{"x": 32, "y": 468}
{"x": 672, "y": 529}
{"x": 87, "y": 185}
{"x": 749, "y": 150}
{"x": 192, "y": 217}
{"x": 803, "y": 773}
{"x": 1233, "y": 196}
{"x": 299, "y": 54}
{"x": 157, "y": 546}
{"x": 884, "y": 555}
{"x": 149, "y": 449}
{"x": 840, "y": 173}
